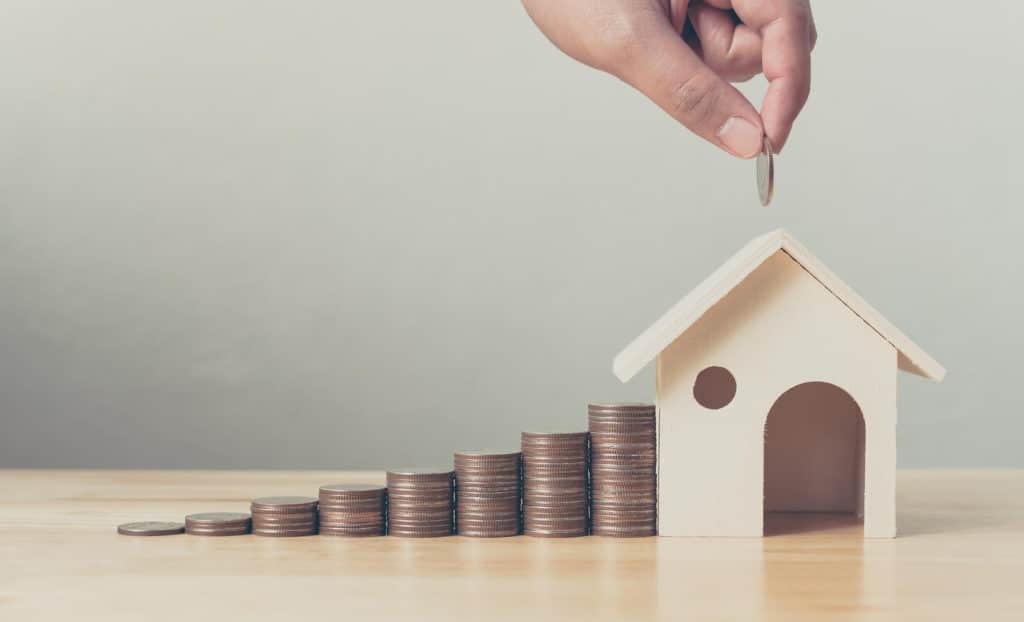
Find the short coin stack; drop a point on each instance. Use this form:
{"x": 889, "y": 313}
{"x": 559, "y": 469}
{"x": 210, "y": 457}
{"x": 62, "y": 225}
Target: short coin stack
{"x": 487, "y": 493}
{"x": 622, "y": 469}
{"x": 420, "y": 503}
{"x": 218, "y": 524}
{"x": 352, "y": 510}
{"x": 554, "y": 484}
{"x": 284, "y": 516}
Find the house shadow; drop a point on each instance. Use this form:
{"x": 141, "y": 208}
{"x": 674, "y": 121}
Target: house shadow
{"x": 924, "y": 523}
{"x": 948, "y": 502}
{"x": 908, "y": 524}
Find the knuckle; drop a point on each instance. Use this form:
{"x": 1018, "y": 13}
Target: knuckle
{"x": 804, "y": 18}
{"x": 802, "y": 11}
{"x": 695, "y": 99}
{"x": 618, "y": 42}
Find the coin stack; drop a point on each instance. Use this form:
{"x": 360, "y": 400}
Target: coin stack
{"x": 420, "y": 503}
{"x": 218, "y": 524}
{"x": 352, "y": 510}
{"x": 554, "y": 484}
{"x": 487, "y": 493}
{"x": 622, "y": 470}
{"x": 284, "y": 516}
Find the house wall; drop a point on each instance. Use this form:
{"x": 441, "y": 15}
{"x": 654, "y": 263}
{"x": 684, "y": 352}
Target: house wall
{"x": 777, "y": 329}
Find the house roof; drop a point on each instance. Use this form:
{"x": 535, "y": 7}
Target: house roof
{"x": 694, "y": 305}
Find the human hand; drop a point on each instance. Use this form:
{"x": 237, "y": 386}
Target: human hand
{"x": 683, "y": 55}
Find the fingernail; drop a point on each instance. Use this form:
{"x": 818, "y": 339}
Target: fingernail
{"x": 741, "y": 137}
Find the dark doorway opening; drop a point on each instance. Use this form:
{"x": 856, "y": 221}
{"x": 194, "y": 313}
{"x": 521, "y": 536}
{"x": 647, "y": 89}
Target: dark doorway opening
{"x": 814, "y": 461}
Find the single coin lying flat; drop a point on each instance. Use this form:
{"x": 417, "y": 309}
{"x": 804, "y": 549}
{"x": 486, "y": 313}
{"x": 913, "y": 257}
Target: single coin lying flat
{"x": 150, "y": 528}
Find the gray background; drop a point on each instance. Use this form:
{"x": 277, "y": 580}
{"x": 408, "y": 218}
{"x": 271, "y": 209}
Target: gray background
{"x": 338, "y": 234}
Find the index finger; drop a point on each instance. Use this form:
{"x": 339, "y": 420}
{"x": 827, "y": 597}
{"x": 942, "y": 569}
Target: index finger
{"x": 786, "y": 28}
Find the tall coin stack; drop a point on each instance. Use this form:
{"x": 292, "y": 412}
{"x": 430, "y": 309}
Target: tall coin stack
{"x": 420, "y": 503}
{"x": 487, "y": 494}
{"x": 284, "y": 516}
{"x": 622, "y": 470}
{"x": 352, "y": 510}
{"x": 554, "y": 484}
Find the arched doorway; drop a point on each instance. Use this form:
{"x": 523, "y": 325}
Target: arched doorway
{"x": 814, "y": 461}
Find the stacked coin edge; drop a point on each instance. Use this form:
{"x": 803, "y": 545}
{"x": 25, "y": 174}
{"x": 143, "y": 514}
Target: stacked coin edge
{"x": 420, "y": 503}
{"x": 488, "y": 493}
{"x": 218, "y": 524}
{"x": 284, "y": 516}
{"x": 555, "y": 496}
{"x": 352, "y": 510}
{"x": 623, "y": 467}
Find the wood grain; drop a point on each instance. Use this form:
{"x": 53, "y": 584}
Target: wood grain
{"x": 960, "y": 556}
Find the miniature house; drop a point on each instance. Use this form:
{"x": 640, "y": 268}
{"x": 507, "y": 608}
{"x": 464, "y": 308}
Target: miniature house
{"x": 776, "y": 392}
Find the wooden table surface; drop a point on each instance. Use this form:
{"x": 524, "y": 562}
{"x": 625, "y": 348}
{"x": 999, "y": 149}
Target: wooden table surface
{"x": 960, "y": 556}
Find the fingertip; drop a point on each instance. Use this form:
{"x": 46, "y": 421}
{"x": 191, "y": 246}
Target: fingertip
{"x": 741, "y": 137}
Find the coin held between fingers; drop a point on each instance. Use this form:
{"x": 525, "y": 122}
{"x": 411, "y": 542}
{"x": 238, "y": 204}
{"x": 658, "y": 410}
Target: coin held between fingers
{"x": 765, "y": 172}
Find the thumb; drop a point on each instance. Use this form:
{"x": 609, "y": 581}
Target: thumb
{"x": 665, "y": 69}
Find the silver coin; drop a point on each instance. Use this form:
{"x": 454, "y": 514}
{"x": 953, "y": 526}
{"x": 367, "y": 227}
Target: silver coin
{"x": 150, "y": 528}
{"x": 765, "y": 172}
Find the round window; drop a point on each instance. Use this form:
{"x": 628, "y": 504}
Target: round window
{"x": 714, "y": 388}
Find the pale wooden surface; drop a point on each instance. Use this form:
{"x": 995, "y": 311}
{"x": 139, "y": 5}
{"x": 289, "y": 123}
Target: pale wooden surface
{"x": 960, "y": 556}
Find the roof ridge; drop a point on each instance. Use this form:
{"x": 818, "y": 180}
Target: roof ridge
{"x": 688, "y": 310}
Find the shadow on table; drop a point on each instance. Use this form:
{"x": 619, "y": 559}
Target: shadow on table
{"x": 938, "y": 520}
{"x": 790, "y": 523}
{"x": 943, "y": 521}
{"x": 955, "y": 502}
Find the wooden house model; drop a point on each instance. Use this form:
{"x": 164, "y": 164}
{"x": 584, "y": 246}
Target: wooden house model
{"x": 776, "y": 392}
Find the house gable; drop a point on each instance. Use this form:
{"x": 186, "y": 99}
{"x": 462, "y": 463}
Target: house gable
{"x": 693, "y": 306}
